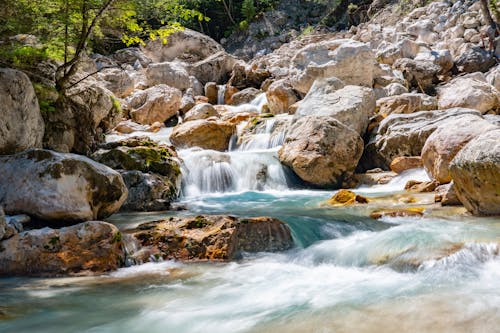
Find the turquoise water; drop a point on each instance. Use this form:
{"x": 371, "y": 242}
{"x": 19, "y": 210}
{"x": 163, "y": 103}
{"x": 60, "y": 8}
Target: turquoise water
{"x": 348, "y": 273}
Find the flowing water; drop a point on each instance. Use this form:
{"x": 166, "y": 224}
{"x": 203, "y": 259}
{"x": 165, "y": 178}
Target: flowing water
{"x": 347, "y": 273}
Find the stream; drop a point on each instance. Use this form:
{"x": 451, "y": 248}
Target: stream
{"x": 347, "y": 272}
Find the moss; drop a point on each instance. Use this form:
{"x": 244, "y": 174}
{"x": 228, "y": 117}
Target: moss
{"x": 117, "y": 238}
{"x": 117, "y": 107}
{"x": 54, "y": 240}
{"x": 47, "y": 97}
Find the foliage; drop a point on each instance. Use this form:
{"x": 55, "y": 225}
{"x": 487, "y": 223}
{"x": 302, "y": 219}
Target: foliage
{"x": 248, "y": 9}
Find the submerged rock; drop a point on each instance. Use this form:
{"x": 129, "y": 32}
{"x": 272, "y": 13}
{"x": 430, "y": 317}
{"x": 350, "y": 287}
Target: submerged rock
{"x": 421, "y": 187}
{"x": 21, "y": 123}
{"x": 475, "y": 171}
{"x": 321, "y": 150}
{"x": 59, "y": 187}
{"x": 90, "y": 247}
{"x": 346, "y": 198}
{"x": 397, "y": 212}
{"x": 212, "y": 237}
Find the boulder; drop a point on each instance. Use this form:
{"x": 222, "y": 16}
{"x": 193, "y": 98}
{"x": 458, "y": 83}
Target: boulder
{"x": 207, "y": 134}
{"x": 215, "y": 68}
{"x": 187, "y": 45}
{"x": 404, "y": 135}
{"x": 321, "y": 150}
{"x": 472, "y": 59}
{"x": 446, "y": 195}
{"x": 172, "y": 74}
{"x": 21, "y": 123}
{"x": 158, "y": 103}
{"x": 280, "y": 96}
{"x": 201, "y": 111}
{"x": 475, "y": 171}
{"x": 406, "y": 103}
{"x": 403, "y": 163}
{"x": 351, "y": 105}
{"x": 442, "y": 58}
{"x": 447, "y": 140}
{"x": 131, "y": 56}
{"x": 247, "y": 76}
{"x": 405, "y": 48}
{"x": 80, "y": 120}
{"x": 244, "y": 96}
{"x": 346, "y": 198}
{"x": 468, "y": 92}
{"x": 350, "y": 61}
{"x": 212, "y": 92}
{"x": 421, "y": 187}
{"x": 419, "y": 74}
{"x": 217, "y": 238}
{"x": 118, "y": 81}
{"x": 493, "y": 77}
{"x": 90, "y": 247}
{"x": 62, "y": 187}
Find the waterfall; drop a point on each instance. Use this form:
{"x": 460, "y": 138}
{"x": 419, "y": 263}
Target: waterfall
{"x": 221, "y": 92}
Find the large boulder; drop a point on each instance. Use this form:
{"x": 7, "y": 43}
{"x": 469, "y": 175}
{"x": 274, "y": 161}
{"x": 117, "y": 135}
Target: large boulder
{"x": 476, "y": 174}
{"x": 201, "y": 111}
{"x": 81, "y": 118}
{"x": 150, "y": 171}
{"x": 158, "y": 103}
{"x": 420, "y": 74}
{"x": 351, "y": 105}
{"x": 213, "y": 237}
{"x": 59, "y": 187}
{"x": 215, "y": 68}
{"x": 118, "y": 81}
{"x": 321, "y": 150}
{"x": 207, "y": 134}
{"x": 21, "y": 123}
{"x": 406, "y": 103}
{"x": 172, "y": 74}
{"x": 471, "y": 59}
{"x": 280, "y": 96}
{"x": 90, "y": 247}
{"x": 469, "y": 92}
{"x": 244, "y": 96}
{"x": 447, "y": 140}
{"x": 405, "y": 48}
{"x": 351, "y": 61}
{"x": 186, "y": 45}
{"x": 404, "y": 135}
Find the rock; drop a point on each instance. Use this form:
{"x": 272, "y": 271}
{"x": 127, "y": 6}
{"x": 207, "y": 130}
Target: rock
{"x": 204, "y": 134}
{"x": 118, "y": 81}
{"x": 468, "y": 92}
{"x": 404, "y": 135}
{"x": 158, "y": 103}
{"x": 131, "y": 56}
{"x": 247, "y": 76}
{"x": 442, "y": 58}
{"x": 406, "y": 103}
{"x": 280, "y": 96}
{"x": 215, "y": 68}
{"x": 351, "y": 105}
{"x": 447, "y": 195}
{"x": 148, "y": 192}
{"x": 421, "y": 187}
{"x": 187, "y": 102}
{"x": 421, "y": 75}
{"x": 3, "y": 223}
{"x": 447, "y": 140}
{"x": 201, "y": 111}
{"x": 213, "y": 237}
{"x": 398, "y": 212}
{"x": 172, "y": 74}
{"x": 346, "y": 198}
{"x": 245, "y": 96}
{"x": 475, "y": 171}
{"x": 62, "y": 187}
{"x": 90, "y": 247}
{"x": 392, "y": 89}
{"x": 493, "y": 77}
{"x": 21, "y": 124}
{"x": 472, "y": 59}
{"x": 186, "y": 45}
{"x": 80, "y": 120}
{"x": 212, "y": 92}
{"x": 374, "y": 178}
{"x": 321, "y": 150}
{"x": 348, "y": 60}
{"x": 128, "y": 126}
{"x": 406, "y": 48}
{"x": 403, "y": 163}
